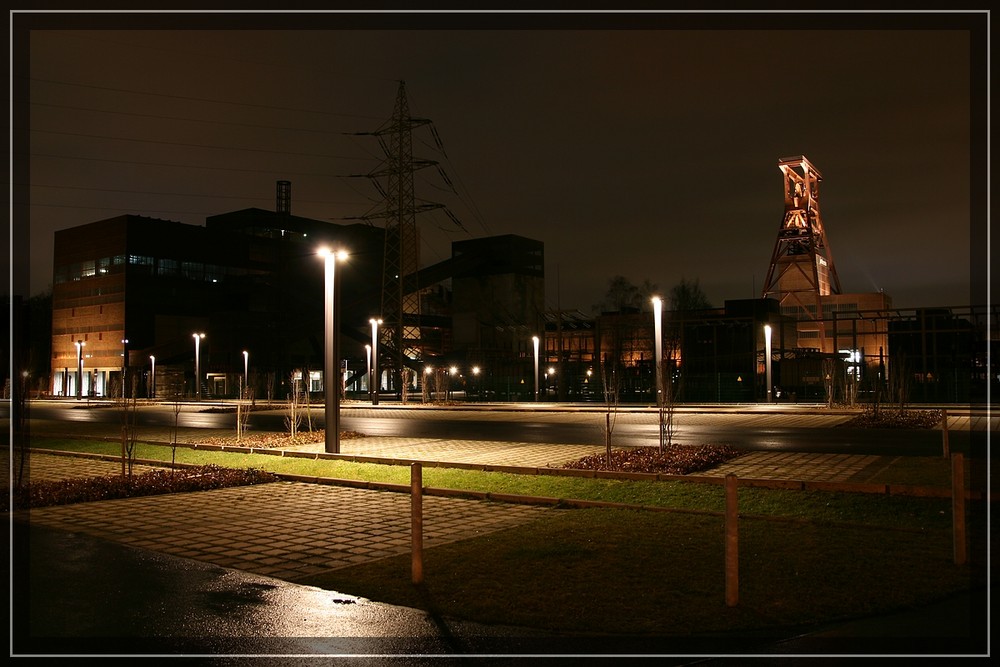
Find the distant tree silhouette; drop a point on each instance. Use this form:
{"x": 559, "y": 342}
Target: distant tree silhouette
{"x": 622, "y": 295}
{"x": 687, "y": 295}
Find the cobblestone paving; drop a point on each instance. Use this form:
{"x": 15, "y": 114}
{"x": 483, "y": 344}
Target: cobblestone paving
{"x": 801, "y": 466}
{"x": 286, "y": 530}
{"x": 51, "y": 468}
{"x": 474, "y": 452}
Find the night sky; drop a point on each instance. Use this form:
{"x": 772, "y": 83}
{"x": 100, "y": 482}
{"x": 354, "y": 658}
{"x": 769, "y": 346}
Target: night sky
{"x": 639, "y": 145}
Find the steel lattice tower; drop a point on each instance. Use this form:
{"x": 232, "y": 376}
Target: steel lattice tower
{"x": 802, "y": 269}
{"x": 400, "y": 331}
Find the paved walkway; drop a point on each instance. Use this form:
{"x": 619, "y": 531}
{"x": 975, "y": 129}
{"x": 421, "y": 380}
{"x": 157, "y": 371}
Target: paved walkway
{"x": 286, "y": 530}
{"x": 294, "y": 530}
{"x": 756, "y": 465}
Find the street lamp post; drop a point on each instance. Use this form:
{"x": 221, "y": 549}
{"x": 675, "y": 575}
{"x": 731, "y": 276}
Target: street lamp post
{"x": 152, "y": 376}
{"x": 79, "y": 367}
{"x": 246, "y": 373}
{"x": 373, "y": 381}
{"x": 368, "y": 358}
{"x": 197, "y": 364}
{"x": 767, "y": 359}
{"x": 124, "y": 365}
{"x": 428, "y": 394}
{"x": 658, "y": 358}
{"x": 330, "y": 357}
{"x": 534, "y": 340}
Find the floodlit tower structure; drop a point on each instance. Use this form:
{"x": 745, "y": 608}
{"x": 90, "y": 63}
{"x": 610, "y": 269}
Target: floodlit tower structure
{"x": 802, "y": 269}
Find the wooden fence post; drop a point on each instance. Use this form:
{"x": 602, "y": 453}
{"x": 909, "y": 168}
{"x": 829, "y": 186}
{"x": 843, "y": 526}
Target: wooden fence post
{"x": 732, "y": 544}
{"x": 958, "y": 505}
{"x": 417, "y": 523}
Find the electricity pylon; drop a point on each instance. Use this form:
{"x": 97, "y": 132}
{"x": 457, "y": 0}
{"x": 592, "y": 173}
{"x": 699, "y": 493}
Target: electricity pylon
{"x": 399, "y": 335}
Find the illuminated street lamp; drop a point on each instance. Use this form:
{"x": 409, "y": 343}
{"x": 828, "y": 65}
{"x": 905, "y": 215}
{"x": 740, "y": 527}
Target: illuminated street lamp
{"x": 152, "y": 376}
{"x": 79, "y": 367}
{"x": 658, "y": 356}
{"x": 368, "y": 357}
{"x": 246, "y": 368}
{"x": 373, "y": 370}
{"x": 534, "y": 340}
{"x": 331, "y": 386}
{"x": 767, "y": 358}
{"x": 197, "y": 364}
{"x": 658, "y": 346}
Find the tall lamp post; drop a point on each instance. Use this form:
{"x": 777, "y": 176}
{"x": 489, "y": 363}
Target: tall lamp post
{"x": 79, "y": 367}
{"x": 534, "y": 340}
{"x": 373, "y": 380}
{"x": 197, "y": 364}
{"x": 658, "y": 358}
{"x": 330, "y": 355}
{"x": 368, "y": 358}
{"x": 246, "y": 374}
{"x": 767, "y": 359}
{"x": 152, "y": 376}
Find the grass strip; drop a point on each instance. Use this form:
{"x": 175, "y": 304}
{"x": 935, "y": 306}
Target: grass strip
{"x": 898, "y": 511}
{"x": 597, "y": 571}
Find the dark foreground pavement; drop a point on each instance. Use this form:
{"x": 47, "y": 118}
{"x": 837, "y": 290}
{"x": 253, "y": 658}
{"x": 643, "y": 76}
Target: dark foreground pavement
{"x": 156, "y": 577}
{"x": 85, "y": 596}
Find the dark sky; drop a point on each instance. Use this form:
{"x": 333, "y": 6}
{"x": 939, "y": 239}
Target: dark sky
{"x": 639, "y": 145}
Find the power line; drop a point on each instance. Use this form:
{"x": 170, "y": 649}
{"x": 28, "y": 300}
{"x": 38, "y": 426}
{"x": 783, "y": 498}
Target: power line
{"x": 185, "y": 119}
{"x": 186, "y": 166}
{"x": 190, "y": 98}
{"x": 193, "y": 145}
{"x": 178, "y": 194}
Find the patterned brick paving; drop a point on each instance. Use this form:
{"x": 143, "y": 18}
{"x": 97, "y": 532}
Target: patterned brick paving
{"x": 286, "y": 530}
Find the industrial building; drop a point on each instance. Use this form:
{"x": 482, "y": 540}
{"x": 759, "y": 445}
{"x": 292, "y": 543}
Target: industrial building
{"x": 133, "y": 292}
{"x": 825, "y": 344}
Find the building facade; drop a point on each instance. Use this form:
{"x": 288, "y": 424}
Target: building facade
{"x": 131, "y": 293}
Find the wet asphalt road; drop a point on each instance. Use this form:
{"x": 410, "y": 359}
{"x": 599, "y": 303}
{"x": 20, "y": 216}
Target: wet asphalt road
{"x": 84, "y": 596}
{"x": 569, "y": 427}
{"x": 87, "y": 596}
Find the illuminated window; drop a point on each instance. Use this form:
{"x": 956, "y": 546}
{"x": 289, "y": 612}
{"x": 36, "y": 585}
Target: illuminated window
{"x": 194, "y": 270}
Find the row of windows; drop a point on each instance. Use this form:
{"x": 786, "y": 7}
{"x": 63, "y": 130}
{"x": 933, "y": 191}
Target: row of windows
{"x": 828, "y": 309}
{"x": 145, "y": 264}
{"x": 89, "y": 268}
